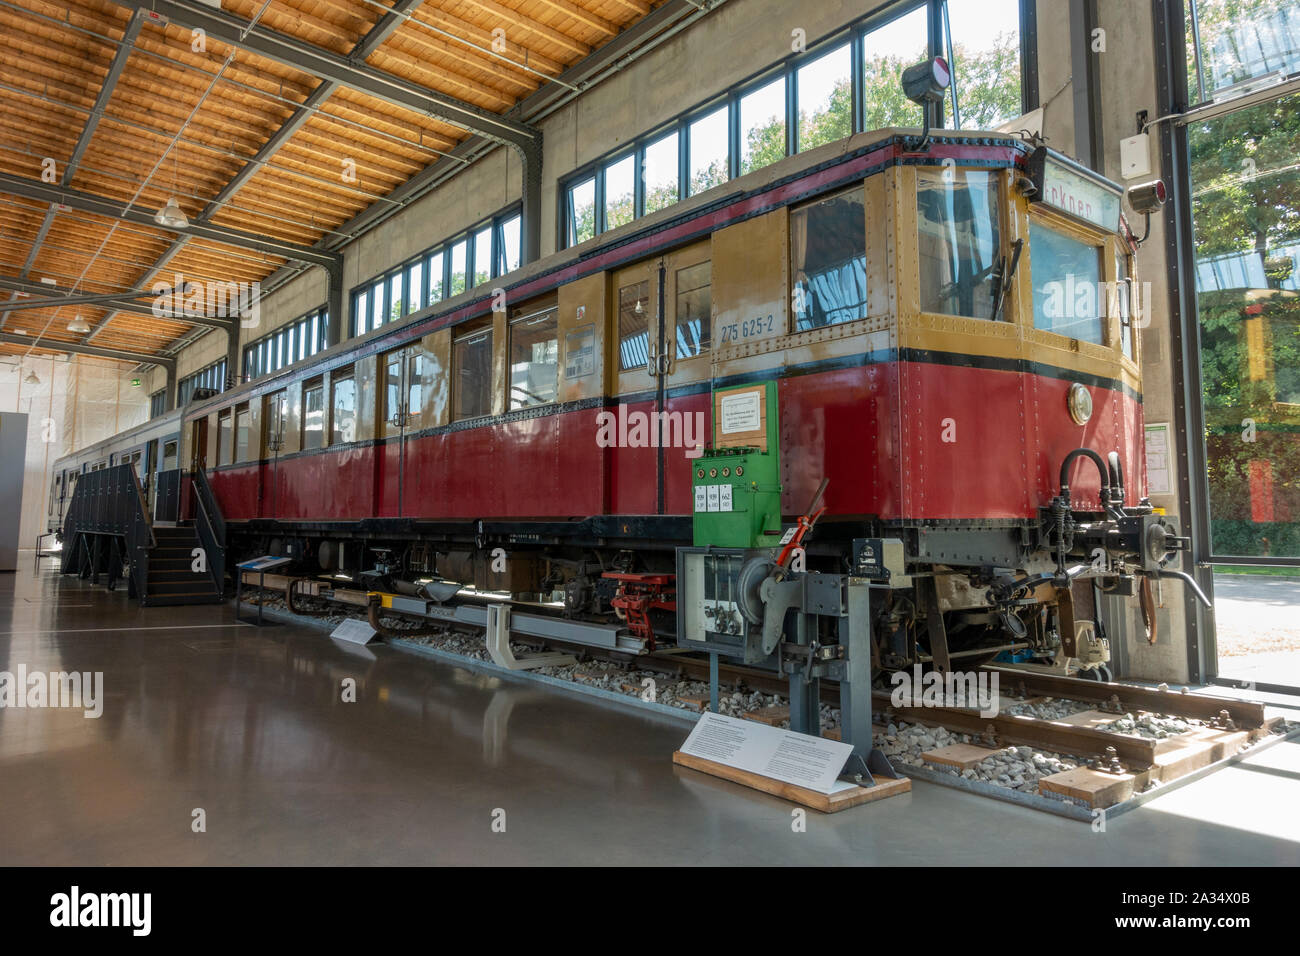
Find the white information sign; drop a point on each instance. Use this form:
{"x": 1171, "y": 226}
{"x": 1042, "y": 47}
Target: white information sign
{"x": 1157, "y": 440}
{"x": 741, "y": 412}
{"x": 724, "y": 497}
{"x": 354, "y": 632}
{"x": 712, "y": 491}
{"x": 810, "y": 762}
{"x": 701, "y": 498}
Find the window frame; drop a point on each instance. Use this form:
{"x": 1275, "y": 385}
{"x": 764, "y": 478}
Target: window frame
{"x": 530, "y": 314}
{"x": 852, "y": 34}
{"x": 360, "y": 297}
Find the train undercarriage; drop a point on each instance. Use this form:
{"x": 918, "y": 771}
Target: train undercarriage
{"x": 943, "y": 594}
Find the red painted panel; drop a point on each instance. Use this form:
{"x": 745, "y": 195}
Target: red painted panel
{"x": 962, "y": 432}
{"x": 633, "y": 472}
{"x": 693, "y": 421}
{"x": 1115, "y": 425}
{"x": 1009, "y": 434}
{"x": 840, "y": 425}
{"x": 236, "y": 491}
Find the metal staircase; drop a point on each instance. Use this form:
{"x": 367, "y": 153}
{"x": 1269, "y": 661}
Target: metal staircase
{"x": 107, "y": 532}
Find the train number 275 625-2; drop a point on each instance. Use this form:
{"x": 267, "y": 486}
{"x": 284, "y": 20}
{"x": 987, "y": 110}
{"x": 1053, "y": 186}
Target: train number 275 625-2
{"x": 749, "y": 328}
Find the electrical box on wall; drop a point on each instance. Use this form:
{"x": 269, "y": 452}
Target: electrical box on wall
{"x": 1135, "y": 156}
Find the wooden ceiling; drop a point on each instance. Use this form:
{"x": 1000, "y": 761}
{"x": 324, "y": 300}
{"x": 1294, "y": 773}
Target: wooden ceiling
{"x": 188, "y": 124}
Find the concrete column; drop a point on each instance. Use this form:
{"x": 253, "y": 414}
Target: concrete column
{"x": 336, "y": 331}
{"x": 169, "y": 389}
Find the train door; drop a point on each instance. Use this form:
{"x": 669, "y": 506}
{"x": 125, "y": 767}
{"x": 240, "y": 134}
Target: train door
{"x": 404, "y": 372}
{"x": 276, "y": 416}
{"x": 636, "y": 353}
{"x": 685, "y": 370}
{"x": 199, "y": 444}
{"x": 150, "y": 468}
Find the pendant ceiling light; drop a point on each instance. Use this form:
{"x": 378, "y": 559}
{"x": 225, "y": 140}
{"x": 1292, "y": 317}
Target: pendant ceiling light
{"x": 79, "y": 325}
{"x": 171, "y": 214}
{"x": 31, "y": 379}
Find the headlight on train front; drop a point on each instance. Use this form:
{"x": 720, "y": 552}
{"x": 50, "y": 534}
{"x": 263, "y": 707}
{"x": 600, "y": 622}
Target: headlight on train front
{"x": 1079, "y": 402}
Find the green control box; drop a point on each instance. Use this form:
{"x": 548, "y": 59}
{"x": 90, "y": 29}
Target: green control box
{"x": 736, "y": 481}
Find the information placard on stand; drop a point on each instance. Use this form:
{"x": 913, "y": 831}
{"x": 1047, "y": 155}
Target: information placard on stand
{"x": 797, "y": 767}
{"x": 261, "y": 565}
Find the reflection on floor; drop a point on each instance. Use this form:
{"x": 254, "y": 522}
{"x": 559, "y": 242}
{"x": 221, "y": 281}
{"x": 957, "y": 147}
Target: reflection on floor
{"x": 1258, "y": 627}
{"x": 249, "y": 726}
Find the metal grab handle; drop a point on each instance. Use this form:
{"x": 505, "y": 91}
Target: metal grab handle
{"x": 1189, "y": 581}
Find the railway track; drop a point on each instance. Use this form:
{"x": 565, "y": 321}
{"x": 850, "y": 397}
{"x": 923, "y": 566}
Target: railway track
{"x": 1140, "y": 760}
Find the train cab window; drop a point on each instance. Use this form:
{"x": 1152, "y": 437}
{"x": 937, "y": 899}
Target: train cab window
{"x": 243, "y": 440}
{"x": 694, "y": 309}
{"x": 634, "y": 325}
{"x": 534, "y": 359}
{"x": 225, "y": 447}
{"x": 1066, "y": 275}
{"x": 343, "y": 408}
{"x": 959, "y": 240}
{"x": 828, "y": 260}
{"x": 471, "y": 364}
{"x": 313, "y": 415}
{"x": 169, "y": 455}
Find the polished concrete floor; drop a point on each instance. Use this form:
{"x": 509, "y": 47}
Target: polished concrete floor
{"x": 201, "y": 712}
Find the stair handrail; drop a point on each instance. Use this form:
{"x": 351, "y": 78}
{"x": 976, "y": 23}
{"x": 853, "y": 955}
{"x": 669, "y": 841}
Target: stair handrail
{"x": 210, "y": 526}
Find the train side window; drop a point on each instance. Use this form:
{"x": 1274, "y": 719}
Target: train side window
{"x": 634, "y": 325}
{"x": 1066, "y": 275}
{"x": 958, "y": 240}
{"x": 277, "y": 417}
{"x": 224, "y": 435}
{"x": 534, "y": 359}
{"x": 694, "y": 309}
{"x": 243, "y": 441}
{"x": 828, "y": 260}
{"x": 393, "y": 391}
{"x": 343, "y": 408}
{"x": 471, "y": 364}
{"x": 415, "y": 371}
{"x": 313, "y": 414}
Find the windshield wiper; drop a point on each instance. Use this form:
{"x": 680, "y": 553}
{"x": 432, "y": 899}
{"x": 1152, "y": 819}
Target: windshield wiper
{"x": 1001, "y": 281}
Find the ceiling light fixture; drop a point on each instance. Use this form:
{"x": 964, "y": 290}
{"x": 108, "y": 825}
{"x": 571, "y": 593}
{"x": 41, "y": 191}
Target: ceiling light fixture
{"x": 79, "y": 325}
{"x": 31, "y": 379}
{"x": 171, "y": 215}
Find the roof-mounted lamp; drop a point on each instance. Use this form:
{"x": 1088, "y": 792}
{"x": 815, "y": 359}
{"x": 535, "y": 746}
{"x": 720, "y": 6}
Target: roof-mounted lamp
{"x": 925, "y": 84}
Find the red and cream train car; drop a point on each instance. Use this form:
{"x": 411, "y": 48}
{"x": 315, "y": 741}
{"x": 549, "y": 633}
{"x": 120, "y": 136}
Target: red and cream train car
{"x": 945, "y": 328}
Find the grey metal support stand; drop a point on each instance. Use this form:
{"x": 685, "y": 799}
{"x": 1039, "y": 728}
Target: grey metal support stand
{"x": 713, "y": 681}
{"x": 855, "y": 682}
{"x": 805, "y": 686}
